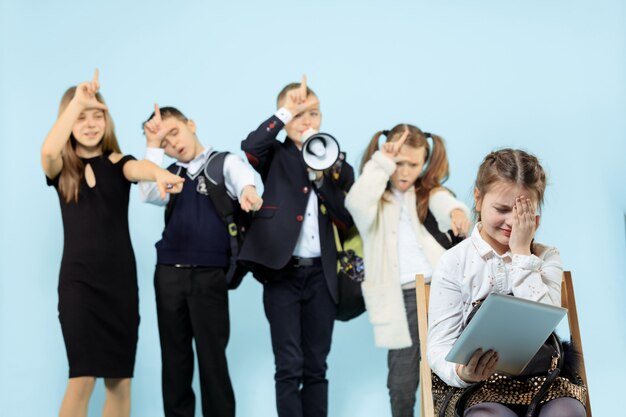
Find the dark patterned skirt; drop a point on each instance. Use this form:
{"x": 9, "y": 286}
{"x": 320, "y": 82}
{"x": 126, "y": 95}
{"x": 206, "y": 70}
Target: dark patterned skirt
{"x": 506, "y": 390}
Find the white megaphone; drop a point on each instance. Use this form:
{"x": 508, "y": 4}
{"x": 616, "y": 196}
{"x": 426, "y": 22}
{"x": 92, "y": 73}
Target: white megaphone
{"x": 320, "y": 151}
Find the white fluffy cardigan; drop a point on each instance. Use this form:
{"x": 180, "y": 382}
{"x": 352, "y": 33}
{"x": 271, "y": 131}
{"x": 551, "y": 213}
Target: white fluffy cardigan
{"x": 376, "y": 213}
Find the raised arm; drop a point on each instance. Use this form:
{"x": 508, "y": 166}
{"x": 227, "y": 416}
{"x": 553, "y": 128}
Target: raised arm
{"x": 364, "y": 197}
{"x": 259, "y": 145}
{"x": 450, "y": 213}
{"x": 535, "y": 275}
{"x": 148, "y": 190}
{"x": 52, "y": 148}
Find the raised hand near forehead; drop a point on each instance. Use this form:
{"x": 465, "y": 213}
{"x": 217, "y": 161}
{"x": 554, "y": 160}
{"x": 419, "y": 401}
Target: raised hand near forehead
{"x": 153, "y": 129}
{"x": 297, "y": 100}
{"x": 523, "y": 227}
{"x": 392, "y": 149}
{"x": 85, "y": 94}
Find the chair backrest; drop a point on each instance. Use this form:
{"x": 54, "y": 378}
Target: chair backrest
{"x": 568, "y": 301}
{"x": 422, "y": 292}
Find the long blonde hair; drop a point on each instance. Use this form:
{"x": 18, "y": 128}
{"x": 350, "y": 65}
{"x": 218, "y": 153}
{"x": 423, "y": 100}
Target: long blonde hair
{"x": 435, "y": 173}
{"x": 73, "y": 169}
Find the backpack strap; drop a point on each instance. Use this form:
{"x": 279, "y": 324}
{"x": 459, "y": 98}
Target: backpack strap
{"x": 223, "y": 203}
{"x": 216, "y": 187}
{"x": 447, "y": 240}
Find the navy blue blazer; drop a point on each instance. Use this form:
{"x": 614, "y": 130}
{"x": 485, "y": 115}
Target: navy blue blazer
{"x": 272, "y": 236}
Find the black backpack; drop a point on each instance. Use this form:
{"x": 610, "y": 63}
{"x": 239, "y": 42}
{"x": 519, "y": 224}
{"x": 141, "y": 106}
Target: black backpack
{"x": 235, "y": 219}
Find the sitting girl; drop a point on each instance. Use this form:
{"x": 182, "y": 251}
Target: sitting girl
{"x": 500, "y": 256}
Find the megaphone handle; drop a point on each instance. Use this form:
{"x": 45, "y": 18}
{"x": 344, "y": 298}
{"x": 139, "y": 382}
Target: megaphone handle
{"x": 312, "y": 175}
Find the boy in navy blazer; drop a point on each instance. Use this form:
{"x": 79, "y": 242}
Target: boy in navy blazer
{"x": 291, "y": 247}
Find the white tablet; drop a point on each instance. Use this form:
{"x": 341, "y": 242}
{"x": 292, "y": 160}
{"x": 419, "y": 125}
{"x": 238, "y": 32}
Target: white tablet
{"x": 514, "y": 327}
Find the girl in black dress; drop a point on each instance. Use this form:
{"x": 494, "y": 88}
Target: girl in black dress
{"x": 98, "y": 303}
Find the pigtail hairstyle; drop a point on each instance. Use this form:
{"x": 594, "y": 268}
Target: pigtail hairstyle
{"x": 436, "y": 171}
{"x": 512, "y": 166}
{"x": 435, "y": 174}
{"x": 372, "y": 147}
{"x": 73, "y": 169}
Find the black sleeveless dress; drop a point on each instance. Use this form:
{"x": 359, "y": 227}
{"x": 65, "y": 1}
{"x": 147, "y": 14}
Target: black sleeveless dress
{"x": 98, "y": 296}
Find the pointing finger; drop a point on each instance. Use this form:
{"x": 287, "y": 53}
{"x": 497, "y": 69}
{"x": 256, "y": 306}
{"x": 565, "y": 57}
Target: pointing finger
{"x": 398, "y": 144}
{"x": 455, "y": 229}
{"x": 404, "y": 136}
{"x": 157, "y": 112}
{"x": 303, "y": 87}
{"x": 161, "y": 190}
{"x": 245, "y": 204}
{"x": 466, "y": 226}
{"x": 258, "y": 204}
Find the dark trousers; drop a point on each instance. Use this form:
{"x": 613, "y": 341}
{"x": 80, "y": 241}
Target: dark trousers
{"x": 404, "y": 365}
{"x": 192, "y": 303}
{"x": 301, "y": 314}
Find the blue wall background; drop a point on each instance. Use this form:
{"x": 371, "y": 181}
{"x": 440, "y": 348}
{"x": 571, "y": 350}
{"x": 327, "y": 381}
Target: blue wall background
{"x": 545, "y": 76}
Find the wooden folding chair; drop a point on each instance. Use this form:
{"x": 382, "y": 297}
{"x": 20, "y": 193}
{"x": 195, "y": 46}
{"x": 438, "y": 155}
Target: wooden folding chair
{"x": 422, "y": 291}
{"x": 569, "y": 302}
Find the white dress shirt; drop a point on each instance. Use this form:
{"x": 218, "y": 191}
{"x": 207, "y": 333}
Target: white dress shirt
{"x": 237, "y": 174}
{"x": 308, "y": 243}
{"x": 411, "y": 256}
{"x": 469, "y": 272}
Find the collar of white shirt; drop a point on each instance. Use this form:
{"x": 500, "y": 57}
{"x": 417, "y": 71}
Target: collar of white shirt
{"x": 483, "y": 247}
{"x": 195, "y": 164}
